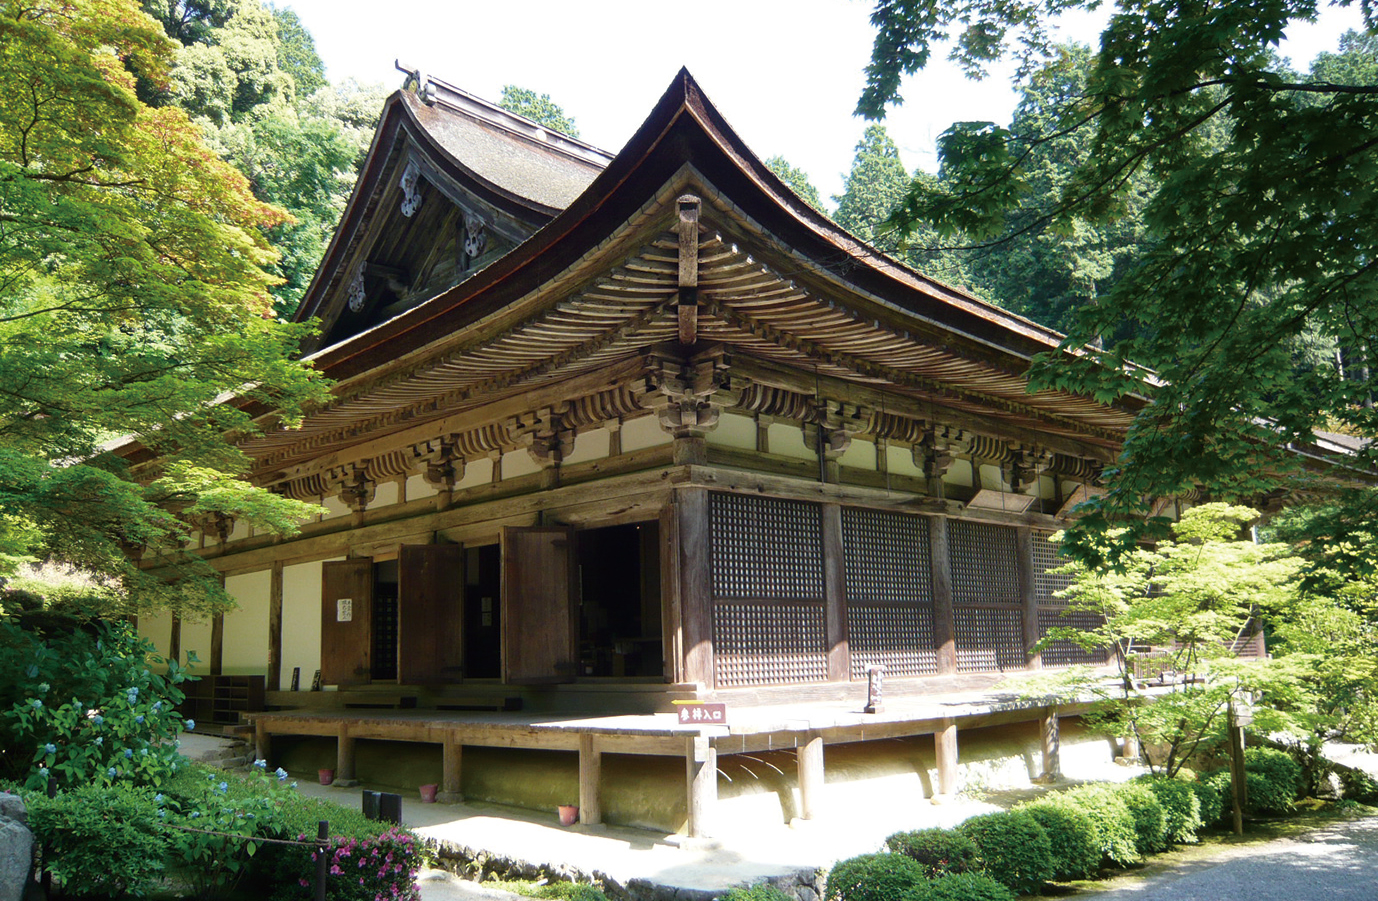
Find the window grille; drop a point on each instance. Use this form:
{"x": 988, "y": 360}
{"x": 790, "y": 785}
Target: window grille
{"x": 886, "y": 557}
{"x": 768, "y": 644}
{"x": 989, "y": 639}
{"x": 1067, "y": 653}
{"x": 765, "y": 548}
{"x": 1045, "y": 558}
{"x": 899, "y": 637}
{"x": 984, "y": 561}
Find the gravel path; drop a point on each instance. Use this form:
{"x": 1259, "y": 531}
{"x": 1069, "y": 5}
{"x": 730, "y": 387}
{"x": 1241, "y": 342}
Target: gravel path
{"x": 1336, "y": 863}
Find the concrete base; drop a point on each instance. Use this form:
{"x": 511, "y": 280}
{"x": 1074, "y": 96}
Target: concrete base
{"x": 444, "y": 797}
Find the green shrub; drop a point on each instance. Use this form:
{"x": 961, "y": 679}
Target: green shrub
{"x": 216, "y": 818}
{"x": 1150, "y": 822}
{"x": 968, "y": 887}
{"x": 1181, "y": 806}
{"x": 101, "y": 840}
{"x": 876, "y": 877}
{"x": 1211, "y": 798}
{"x": 1222, "y": 784}
{"x": 1277, "y": 767}
{"x": 761, "y": 891}
{"x": 1356, "y": 785}
{"x": 84, "y": 708}
{"x": 1267, "y": 796}
{"x": 938, "y": 851}
{"x": 1014, "y": 849}
{"x": 1071, "y": 836}
{"x": 1110, "y": 816}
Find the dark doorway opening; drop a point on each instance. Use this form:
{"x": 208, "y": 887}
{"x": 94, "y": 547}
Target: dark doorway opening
{"x": 619, "y": 608}
{"x": 482, "y": 612}
{"x": 384, "y": 663}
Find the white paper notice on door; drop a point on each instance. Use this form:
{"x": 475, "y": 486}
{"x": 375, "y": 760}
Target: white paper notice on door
{"x": 344, "y": 610}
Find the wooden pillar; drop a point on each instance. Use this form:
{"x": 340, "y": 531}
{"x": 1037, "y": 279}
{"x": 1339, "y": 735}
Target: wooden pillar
{"x": 671, "y": 617}
{"x": 944, "y": 626}
{"x": 174, "y": 642}
{"x": 344, "y": 758}
{"x": 701, "y": 765}
{"x": 695, "y": 581}
{"x": 1052, "y": 746}
{"x": 217, "y": 644}
{"x": 945, "y": 750}
{"x": 811, "y": 777}
{"x": 1239, "y": 782}
{"x": 262, "y": 741}
{"x": 835, "y": 596}
{"x": 274, "y": 680}
{"x": 452, "y": 763}
{"x": 590, "y": 780}
{"x": 1027, "y": 596}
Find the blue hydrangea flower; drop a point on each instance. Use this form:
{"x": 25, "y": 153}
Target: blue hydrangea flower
{"x": 112, "y": 772}
{"x": 98, "y": 719}
{"x": 261, "y": 763}
{"x": 139, "y": 719}
{"x": 191, "y": 724}
{"x": 224, "y": 786}
{"x": 143, "y": 752}
{"x": 133, "y": 694}
{"x": 50, "y": 748}
{"x": 36, "y": 703}
{"x": 32, "y": 671}
{"x": 100, "y": 740}
{"x": 157, "y": 705}
{"x": 128, "y": 752}
{"x": 195, "y": 814}
{"x": 281, "y": 774}
{"x": 158, "y": 798}
{"x": 162, "y": 813}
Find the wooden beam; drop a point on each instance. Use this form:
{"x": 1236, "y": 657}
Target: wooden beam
{"x": 701, "y": 774}
{"x": 945, "y": 751}
{"x": 174, "y": 641}
{"x": 1052, "y": 746}
{"x": 590, "y": 780}
{"x": 835, "y": 596}
{"x": 344, "y": 756}
{"x": 695, "y": 580}
{"x": 452, "y": 763}
{"x": 944, "y": 624}
{"x": 1023, "y": 538}
{"x": 217, "y": 662}
{"x": 810, "y": 755}
{"x": 262, "y": 741}
{"x": 274, "y": 680}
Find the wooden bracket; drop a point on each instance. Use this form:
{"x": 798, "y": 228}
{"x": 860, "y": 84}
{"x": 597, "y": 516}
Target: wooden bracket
{"x": 687, "y": 302}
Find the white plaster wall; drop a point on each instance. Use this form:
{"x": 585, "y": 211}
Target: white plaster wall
{"x": 993, "y": 478}
{"x": 859, "y": 455}
{"x": 594, "y": 444}
{"x": 899, "y": 460}
{"x": 959, "y": 473}
{"x": 644, "y": 431}
{"x": 196, "y": 636}
{"x": 240, "y": 530}
{"x": 334, "y": 507}
{"x": 157, "y": 628}
{"x": 517, "y": 463}
{"x": 418, "y": 488}
{"x": 734, "y": 430}
{"x": 788, "y": 441}
{"x": 245, "y": 648}
{"x": 477, "y": 472}
{"x": 385, "y": 494}
{"x": 301, "y": 621}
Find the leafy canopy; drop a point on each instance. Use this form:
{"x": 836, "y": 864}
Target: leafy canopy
{"x": 539, "y": 108}
{"x": 1255, "y": 187}
{"x": 134, "y": 297}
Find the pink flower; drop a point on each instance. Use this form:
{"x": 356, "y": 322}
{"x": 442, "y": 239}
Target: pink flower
{"x": 335, "y": 870}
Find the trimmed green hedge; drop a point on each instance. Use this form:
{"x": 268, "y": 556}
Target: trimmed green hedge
{"x": 1150, "y": 823}
{"x": 938, "y": 851}
{"x": 1181, "y": 806}
{"x": 1014, "y": 849}
{"x": 759, "y": 892}
{"x": 967, "y": 887}
{"x": 877, "y": 877}
{"x": 1071, "y": 836}
{"x": 1114, "y": 824}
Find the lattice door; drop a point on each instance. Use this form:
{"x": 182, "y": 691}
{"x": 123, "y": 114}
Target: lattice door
{"x": 767, "y": 566}
{"x": 1063, "y": 652}
{"x": 987, "y": 614}
{"x": 989, "y": 639}
{"x": 1045, "y": 558}
{"x": 888, "y": 576}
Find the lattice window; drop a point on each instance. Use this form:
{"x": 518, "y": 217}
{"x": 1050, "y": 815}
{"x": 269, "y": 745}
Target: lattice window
{"x": 984, "y": 561}
{"x": 886, "y": 557}
{"x": 1046, "y": 557}
{"x": 899, "y": 637}
{"x": 764, "y": 548}
{"x": 988, "y": 639}
{"x": 1066, "y": 653}
{"x": 768, "y": 644}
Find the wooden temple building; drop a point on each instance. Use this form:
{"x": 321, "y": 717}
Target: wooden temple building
{"x": 614, "y": 431}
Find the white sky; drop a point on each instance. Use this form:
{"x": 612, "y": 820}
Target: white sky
{"x": 785, "y": 73}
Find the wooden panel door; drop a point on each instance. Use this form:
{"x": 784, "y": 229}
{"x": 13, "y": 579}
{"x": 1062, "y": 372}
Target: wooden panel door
{"x": 430, "y": 613}
{"x": 539, "y": 637}
{"x": 346, "y": 621}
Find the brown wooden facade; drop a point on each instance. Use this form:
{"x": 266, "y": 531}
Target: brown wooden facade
{"x": 650, "y": 417}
